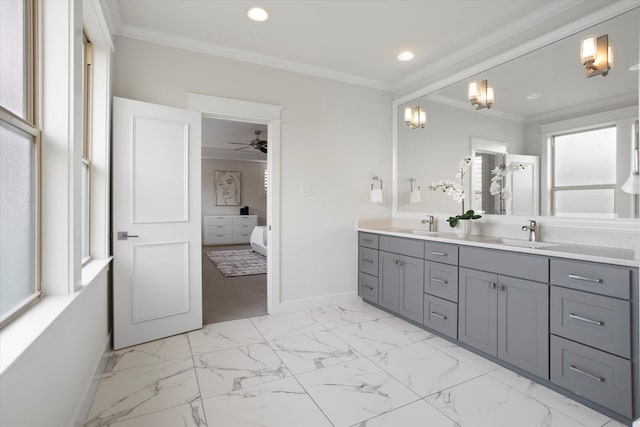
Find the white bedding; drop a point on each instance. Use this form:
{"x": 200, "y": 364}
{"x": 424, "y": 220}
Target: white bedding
{"x": 259, "y": 239}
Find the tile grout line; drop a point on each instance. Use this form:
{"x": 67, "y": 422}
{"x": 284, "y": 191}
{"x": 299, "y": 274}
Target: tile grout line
{"x": 204, "y": 413}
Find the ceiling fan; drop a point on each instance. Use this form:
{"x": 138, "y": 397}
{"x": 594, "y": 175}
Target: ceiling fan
{"x": 257, "y": 143}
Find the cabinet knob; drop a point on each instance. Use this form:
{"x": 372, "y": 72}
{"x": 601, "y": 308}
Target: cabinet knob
{"x": 492, "y": 285}
{"x": 502, "y": 287}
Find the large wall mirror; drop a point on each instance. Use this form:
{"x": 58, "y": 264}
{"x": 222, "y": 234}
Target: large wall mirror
{"x": 554, "y": 142}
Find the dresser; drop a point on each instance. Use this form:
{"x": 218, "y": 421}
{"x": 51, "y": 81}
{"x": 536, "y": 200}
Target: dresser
{"x": 227, "y": 229}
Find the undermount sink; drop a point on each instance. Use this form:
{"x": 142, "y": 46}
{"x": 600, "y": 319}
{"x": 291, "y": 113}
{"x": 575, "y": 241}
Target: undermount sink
{"x": 525, "y": 243}
{"x": 420, "y": 232}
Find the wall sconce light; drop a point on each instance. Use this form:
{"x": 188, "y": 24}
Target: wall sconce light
{"x": 481, "y": 95}
{"x": 632, "y": 185}
{"x": 376, "y": 193}
{"x": 596, "y": 55}
{"x": 414, "y": 117}
{"x": 414, "y": 192}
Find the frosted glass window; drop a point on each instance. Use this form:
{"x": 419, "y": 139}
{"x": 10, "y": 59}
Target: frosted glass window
{"x": 12, "y": 51}
{"x": 597, "y": 202}
{"x": 17, "y": 216}
{"x": 585, "y": 158}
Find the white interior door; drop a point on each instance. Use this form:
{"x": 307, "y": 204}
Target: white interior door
{"x": 525, "y": 187}
{"x": 157, "y": 273}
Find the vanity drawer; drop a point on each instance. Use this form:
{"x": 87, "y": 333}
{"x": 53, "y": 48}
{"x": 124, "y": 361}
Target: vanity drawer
{"x": 441, "y": 252}
{"x": 441, "y": 280}
{"x": 368, "y": 240}
{"x": 368, "y": 261}
{"x": 368, "y": 287}
{"x": 218, "y": 220}
{"x": 593, "y": 374}
{"x": 594, "y": 320}
{"x": 398, "y": 245}
{"x": 532, "y": 267}
{"x": 591, "y": 277}
{"x": 441, "y": 315}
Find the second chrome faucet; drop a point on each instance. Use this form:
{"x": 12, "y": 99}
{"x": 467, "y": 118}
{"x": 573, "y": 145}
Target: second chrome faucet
{"x": 532, "y": 228}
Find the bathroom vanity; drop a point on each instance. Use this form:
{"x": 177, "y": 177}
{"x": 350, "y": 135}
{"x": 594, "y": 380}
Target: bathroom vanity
{"x": 562, "y": 315}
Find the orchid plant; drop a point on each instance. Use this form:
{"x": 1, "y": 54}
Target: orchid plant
{"x": 455, "y": 189}
{"x": 499, "y": 186}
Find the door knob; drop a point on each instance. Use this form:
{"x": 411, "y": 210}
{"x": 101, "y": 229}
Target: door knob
{"x": 124, "y": 235}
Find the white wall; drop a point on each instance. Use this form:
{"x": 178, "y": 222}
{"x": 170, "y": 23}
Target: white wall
{"x": 251, "y": 188}
{"x": 334, "y": 137}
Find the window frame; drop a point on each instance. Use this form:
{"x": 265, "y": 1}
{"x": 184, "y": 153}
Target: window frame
{"x": 87, "y": 115}
{"x": 30, "y": 125}
{"x": 554, "y": 189}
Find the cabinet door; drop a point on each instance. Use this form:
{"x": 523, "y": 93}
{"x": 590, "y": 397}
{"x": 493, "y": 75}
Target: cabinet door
{"x": 523, "y": 324}
{"x": 411, "y": 287}
{"x": 477, "y": 310}
{"x": 389, "y": 276}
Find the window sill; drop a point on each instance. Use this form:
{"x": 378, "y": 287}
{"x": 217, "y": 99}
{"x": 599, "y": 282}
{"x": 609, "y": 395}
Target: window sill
{"x": 22, "y": 332}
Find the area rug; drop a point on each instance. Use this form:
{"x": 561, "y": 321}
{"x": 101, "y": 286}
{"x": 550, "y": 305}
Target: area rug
{"x": 239, "y": 262}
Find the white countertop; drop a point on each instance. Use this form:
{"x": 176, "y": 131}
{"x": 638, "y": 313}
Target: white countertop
{"x": 615, "y": 256}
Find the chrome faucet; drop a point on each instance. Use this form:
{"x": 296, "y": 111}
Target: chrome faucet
{"x": 532, "y": 228}
{"x": 431, "y": 221}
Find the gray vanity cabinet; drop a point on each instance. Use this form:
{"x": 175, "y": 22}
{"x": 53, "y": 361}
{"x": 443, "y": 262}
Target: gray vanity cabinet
{"x": 401, "y": 280}
{"x": 401, "y": 275}
{"x": 506, "y": 317}
{"x": 368, "y": 266}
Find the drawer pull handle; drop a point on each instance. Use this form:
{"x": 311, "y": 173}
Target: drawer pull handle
{"x": 398, "y": 262}
{"x": 584, "y": 319}
{"x": 584, "y": 278}
{"x": 439, "y": 316}
{"x": 492, "y": 285}
{"x": 586, "y": 374}
{"x": 439, "y": 253}
{"x": 501, "y": 287}
{"x": 435, "y": 279}
{"x": 370, "y": 261}
{"x": 368, "y": 287}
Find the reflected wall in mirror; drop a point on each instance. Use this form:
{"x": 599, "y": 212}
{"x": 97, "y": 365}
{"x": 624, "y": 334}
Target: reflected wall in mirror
{"x": 539, "y": 98}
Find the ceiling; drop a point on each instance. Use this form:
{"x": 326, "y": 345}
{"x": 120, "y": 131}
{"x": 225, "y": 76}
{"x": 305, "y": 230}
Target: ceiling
{"x": 217, "y": 135}
{"x": 355, "y": 41}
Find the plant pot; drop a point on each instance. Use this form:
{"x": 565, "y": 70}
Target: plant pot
{"x": 463, "y": 228}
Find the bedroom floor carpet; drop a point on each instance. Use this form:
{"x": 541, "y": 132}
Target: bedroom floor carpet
{"x": 230, "y": 298}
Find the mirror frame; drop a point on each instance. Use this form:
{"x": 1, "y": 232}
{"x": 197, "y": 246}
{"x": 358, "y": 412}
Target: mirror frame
{"x": 537, "y": 43}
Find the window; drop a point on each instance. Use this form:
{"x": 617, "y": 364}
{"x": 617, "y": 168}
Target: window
{"x": 19, "y": 160}
{"x": 584, "y": 172}
{"x": 87, "y": 90}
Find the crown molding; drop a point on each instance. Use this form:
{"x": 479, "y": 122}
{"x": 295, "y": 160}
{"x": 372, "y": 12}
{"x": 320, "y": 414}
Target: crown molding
{"x": 503, "y": 34}
{"x": 112, "y": 16}
{"x": 608, "y": 12}
{"x": 191, "y": 44}
{"x": 466, "y": 106}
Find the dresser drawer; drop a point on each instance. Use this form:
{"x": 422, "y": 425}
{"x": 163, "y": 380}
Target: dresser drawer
{"x": 241, "y": 237}
{"x": 218, "y": 229}
{"x": 441, "y": 280}
{"x": 218, "y": 220}
{"x": 250, "y": 220}
{"x": 441, "y": 315}
{"x": 593, "y": 374}
{"x": 441, "y": 252}
{"x": 368, "y": 287}
{"x": 242, "y": 228}
{"x": 587, "y": 276}
{"x": 368, "y": 240}
{"x": 218, "y": 239}
{"x": 525, "y": 266}
{"x": 368, "y": 261}
{"x": 594, "y": 320}
{"x": 398, "y": 245}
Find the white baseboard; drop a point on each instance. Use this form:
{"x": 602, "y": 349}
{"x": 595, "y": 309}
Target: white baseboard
{"x": 315, "y": 302}
{"x": 85, "y": 401}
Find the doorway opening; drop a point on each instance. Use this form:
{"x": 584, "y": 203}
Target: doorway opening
{"x": 234, "y": 219}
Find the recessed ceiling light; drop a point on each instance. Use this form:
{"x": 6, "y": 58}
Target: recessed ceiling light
{"x": 406, "y": 56}
{"x": 534, "y": 95}
{"x": 634, "y": 67}
{"x": 258, "y": 14}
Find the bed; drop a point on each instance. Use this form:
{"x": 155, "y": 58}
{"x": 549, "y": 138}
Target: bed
{"x": 259, "y": 239}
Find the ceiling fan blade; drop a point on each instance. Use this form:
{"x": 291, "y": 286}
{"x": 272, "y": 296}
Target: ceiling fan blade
{"x": 241, "y": 148}
{"x": 238, "y": 143}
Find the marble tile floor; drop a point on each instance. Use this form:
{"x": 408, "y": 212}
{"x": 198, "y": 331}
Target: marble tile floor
{"x": 346, "y": 366}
